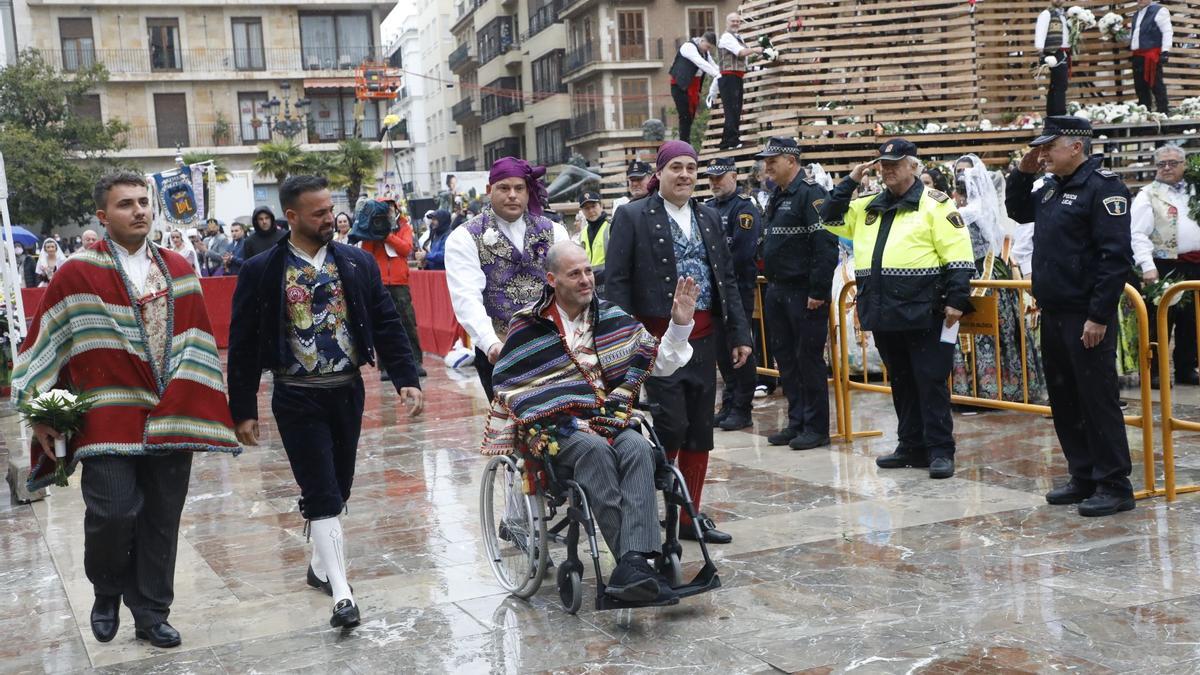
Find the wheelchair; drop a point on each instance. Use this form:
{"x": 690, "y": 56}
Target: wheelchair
{"x": 518, "y": 541}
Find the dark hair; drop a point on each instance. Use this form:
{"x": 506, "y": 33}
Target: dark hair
{"x": 448, "y": 177}
{"x": 254, "y": 219}
{"x": 294, "y": 186}
{"x": 108, "y": 180}
{"x": 940, "y": 182}
{"x": 339, "y": 214}
{"x": 711, "y": 38}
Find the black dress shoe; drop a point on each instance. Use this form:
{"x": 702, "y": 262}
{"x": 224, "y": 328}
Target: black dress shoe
{"x": 735, "y": 421}
{"x": 1105, "y": 504}
{"x": 345, "y": 615}
{"x": 106, "y": 617}
{"x": 902, "y": 458}
{"x": 782, "y": 437}
{"x": 809, "y": 440}
{"x": 1071, "y": 493}
{"x": 720, "y": 416}
{"x": 634, "y": 580}
{"x": 161, "y": 635}
{"x": 1187, "y": 378}
{"x": 941, "y": 467}
{"x": 316, "y": 582}
{"x": 708, "y": 530}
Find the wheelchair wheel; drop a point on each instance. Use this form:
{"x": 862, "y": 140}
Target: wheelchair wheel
{"x": 570, "y": 588}
{"x": 672, "y": 569}
{"x": 516, "y": 538}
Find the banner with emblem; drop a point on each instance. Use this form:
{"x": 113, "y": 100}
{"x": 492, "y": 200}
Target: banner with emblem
{"x": 184, "y": 195}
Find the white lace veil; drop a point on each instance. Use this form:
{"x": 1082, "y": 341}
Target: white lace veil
{"x": 984, "y": 207}
{"x": 820, "y": 176}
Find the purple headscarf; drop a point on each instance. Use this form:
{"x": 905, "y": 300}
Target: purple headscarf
{"x": 512, "y": 167}
{"x": 667, "y": 152}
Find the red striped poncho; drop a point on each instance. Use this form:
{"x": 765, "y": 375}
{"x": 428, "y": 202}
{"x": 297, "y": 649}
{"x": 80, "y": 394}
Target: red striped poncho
{"x": 87, "y": 336}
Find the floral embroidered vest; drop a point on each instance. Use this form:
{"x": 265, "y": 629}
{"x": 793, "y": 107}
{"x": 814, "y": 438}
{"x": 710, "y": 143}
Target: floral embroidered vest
{"x": 691, "y": 260}
{"x": 1165, "y": 235}
{"x": 318, "y": 334}
{"x": 514, "y": 278}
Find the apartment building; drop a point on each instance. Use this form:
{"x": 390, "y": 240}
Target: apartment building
{"x": 550, "y": 78}
{"x": 214, "y": 76}
{"x": 421, "y": 50}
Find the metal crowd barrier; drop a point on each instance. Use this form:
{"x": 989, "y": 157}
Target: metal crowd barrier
{"x": 1170, "y": 423}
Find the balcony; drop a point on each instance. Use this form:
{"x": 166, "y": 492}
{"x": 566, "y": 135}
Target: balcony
{"x": 551, "y": 158}
{"x": 573, "y": 8}
{"x": 577, "y": 59}
{"x": 465, "y": 10}
{"x": 167, "y": 136}
{"x": 462, "y": 58}
{"x": 465, "y": 164}
{"x": 583, "y": 125}
{"x": 545, "y": 17}
{"x": 465, "y": 111}
{"x": 212, "y": 62}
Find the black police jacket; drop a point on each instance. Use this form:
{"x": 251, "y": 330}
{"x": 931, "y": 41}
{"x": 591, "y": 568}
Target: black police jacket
{"x": 797, "y": 251}
{"x": 741, "y": 223}
{"x": 639, "y": 265}
{"x": 1081, "y": 250}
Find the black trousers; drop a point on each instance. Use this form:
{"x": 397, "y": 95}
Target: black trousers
{"x": 1143, "y": 88}
{"x": 798, "y": 338}
{"x": 1085, "y": 401}
{"x": 484, "y": 368}
{"x": 1056, "y": 95}
{"x": 319, "y": 428}
{"x": 683, "y": 106}
{"x": 738, "y": 392}
{"x": 918, "y": 367}
{"x": 402, "y": 299}
{"x": 683, "y": 402}
{"x": 731, "y": 87}
{"x": 1180, "y": 320}
{"x": 131, "y": 529}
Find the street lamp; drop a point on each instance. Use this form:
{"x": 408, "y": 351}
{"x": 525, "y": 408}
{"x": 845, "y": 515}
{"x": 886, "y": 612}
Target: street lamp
{"x": 292, "y": 121}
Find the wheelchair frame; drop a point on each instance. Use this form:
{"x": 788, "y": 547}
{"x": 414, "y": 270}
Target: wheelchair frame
{"x": 564, "y": 494}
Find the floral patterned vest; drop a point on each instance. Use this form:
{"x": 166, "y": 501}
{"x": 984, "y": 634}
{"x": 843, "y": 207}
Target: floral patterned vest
{"x": 514, "y": 278}
{"x": 1165, "y": 235}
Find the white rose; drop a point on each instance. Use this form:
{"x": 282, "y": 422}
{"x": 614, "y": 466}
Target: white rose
{"x": 985, "y": 125}
{"x": 491, "y": 237}
{"x": 1052, "y": 61}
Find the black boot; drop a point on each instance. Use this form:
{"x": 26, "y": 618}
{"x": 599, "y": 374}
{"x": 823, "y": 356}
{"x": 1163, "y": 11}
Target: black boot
{"x": 720, "y": 416}
{"x": 106, "y": 617}
{"x": 941, "y": 467}
{"x": 735, "y": 420}
{"x": 903, "y": 458}
{"x": 1105, "y": 504}
{"x": 1073, "y": 492}
{"x": 161, "y": 635}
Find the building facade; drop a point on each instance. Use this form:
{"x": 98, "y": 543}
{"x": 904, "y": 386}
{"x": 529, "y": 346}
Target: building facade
{"x": 211, "y": 76}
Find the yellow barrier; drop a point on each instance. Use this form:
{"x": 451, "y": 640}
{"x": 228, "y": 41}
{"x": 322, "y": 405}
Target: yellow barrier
{"x": 1169, "y": 422}
{"x": 1145, "y": 421}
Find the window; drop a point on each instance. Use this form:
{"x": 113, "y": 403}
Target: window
{"x": 587, "y": 110}
{"x": 501, "y": 97}
{"x": 631, "y": 35}
{"x": 331, "y": 117}
{"x": 252, "y": 116}
{"x": 78, "y": 47}
{"x": 508, "y": 147}
{"x": 88, "y": 107}
{"x": 547, "y": 74}
{"x": 552, "y": 143}
{"x": 170, "y": 118}
{"x": 248, "y": 44}
{"x": 335, "y": 41}
{"x": 701, "y": 20}
{"x": 635, "y": 102}
{"x": 495, "y": 38}
{"x": 165, "y": 53}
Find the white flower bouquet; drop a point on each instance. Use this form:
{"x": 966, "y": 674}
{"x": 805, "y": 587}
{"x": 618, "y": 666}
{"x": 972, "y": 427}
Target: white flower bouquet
{"x": 1079, "y": 20}
{"x": 1112, "y": 28}
{"x": 62, "y": 411}
{"x": 770, "y": 53}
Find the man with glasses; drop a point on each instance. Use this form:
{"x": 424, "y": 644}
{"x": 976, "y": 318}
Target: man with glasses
{"x": 1166, "y": 241}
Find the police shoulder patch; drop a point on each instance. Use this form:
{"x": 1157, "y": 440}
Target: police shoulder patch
{"x": 955, "y": 219}
{"x": 938, "y": 196}
{"x": 810, "y": 181}
{"x": 1116, "y": 206}
{"x": 872, "y": 217}
{"x": 817, "y": 204}
{"x": 746, "y": 221}
{"x": 1106, "y": 173}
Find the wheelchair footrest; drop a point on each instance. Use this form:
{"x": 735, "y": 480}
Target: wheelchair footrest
{"x": 606, "y": 602}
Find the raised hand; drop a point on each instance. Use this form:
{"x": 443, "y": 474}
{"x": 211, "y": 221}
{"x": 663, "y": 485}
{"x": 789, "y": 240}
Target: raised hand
{"x": 861, "y": 170}
{"x": 687, "y": 292}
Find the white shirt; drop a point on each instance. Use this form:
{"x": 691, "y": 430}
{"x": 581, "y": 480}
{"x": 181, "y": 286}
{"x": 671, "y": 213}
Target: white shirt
{"x": 1162, "y": 19}
{"x": 465, "y": 277}
{"x": 1141, "y": 217}
{"x": 682, "y": 215}
{"x": 674, "y": 350}
{"x": 1043, "y": 29}
{"x": 691, "y": 52}
{"x": 136, "y": 264}
{"x": 317, "y": 261}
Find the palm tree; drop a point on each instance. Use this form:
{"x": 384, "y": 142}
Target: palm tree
{"x": 324, "y": 164}
{"x": 279, "y": 159}
{"x": 190, "y": 158}
{"x": 357, "y": 161}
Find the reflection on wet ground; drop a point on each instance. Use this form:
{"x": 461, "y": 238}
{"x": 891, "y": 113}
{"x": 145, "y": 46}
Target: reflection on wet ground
{"x": 835, "y": 565}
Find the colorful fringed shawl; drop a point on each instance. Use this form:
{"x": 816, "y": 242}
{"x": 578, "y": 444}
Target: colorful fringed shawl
{"x": 88, "y": 336}
{"x": 538, "y": 381}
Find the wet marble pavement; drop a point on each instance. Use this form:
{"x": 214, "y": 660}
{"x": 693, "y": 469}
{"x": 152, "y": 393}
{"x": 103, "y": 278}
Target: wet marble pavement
{"x": 835, "y": 565}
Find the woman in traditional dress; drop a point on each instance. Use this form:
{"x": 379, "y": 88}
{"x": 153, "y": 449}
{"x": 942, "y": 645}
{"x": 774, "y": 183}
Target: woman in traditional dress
{"x": 976, "y": 357}
{"x": 49, "y": 260}
{"x": 181, "y": 245}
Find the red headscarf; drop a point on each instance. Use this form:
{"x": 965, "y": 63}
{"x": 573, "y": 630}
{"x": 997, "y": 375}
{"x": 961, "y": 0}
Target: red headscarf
{"x": 512, "y": 167}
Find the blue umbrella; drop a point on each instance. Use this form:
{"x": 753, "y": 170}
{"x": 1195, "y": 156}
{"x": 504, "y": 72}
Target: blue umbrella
{"x": 24, "y": 237}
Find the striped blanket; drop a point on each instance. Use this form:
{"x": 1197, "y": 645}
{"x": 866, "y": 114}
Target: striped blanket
{"x": 88, "y": 336}
{"x": 538, "y": 381}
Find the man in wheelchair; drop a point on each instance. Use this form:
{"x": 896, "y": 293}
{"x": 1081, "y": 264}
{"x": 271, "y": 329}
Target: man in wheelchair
{"x": 565, "y": 382}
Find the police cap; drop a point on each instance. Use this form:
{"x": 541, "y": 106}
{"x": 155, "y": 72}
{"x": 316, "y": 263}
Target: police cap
{"x": 637, "y": 168}
{"x": 780, "y": 145}
{"x": 1063, "y": 125}
{"x": 897, "y": 148}
{"x": 589, "y": 197}
{"x": 721, "y": 166}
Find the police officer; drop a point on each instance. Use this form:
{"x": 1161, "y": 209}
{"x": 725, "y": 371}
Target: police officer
{"x": 799, "y": 258}
{"x": 594, "y": 235}
{"x": 741, "y": 223}
{"x": 1081, "y": 258}
{"x": 913, "y": 264}
{"x": 636, "y": 176}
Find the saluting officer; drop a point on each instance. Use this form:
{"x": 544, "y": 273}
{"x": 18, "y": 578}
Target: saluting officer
{"x": 913, "y": 264}
{"x": 799, "y": 259}
{"x": 741, "y": 223}
{"x": 1081, "y": 258}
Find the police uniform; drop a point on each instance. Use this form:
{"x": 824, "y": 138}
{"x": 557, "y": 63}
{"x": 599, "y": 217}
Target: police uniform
{"x": 594, "y": 238}
{"x": 1081, "y": 259}
{"x": 912, "y": 259}
{"x": 799, "y": 259}
{"x": 636, "y": 169}
{"x": 742, "y": 226}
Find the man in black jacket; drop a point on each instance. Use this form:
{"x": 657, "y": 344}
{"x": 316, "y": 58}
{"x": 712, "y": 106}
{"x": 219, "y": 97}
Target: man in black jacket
{"x": 313, "y": 311}
{"x": 799, "y": 258}
{"x": 655, "y": 241}
{"x": 1081, "y": 258}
